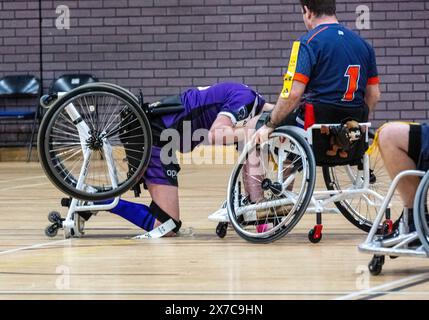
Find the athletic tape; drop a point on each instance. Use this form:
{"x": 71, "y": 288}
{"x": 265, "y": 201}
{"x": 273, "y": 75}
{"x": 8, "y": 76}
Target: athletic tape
{"x": 290, "y": 74}
{"x": 159, "y": 232}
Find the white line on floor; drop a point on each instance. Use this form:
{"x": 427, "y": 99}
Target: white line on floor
{"x": 22, "y": 179}
{"x": 384, "y": 287}
{"x": 24, "y": 186}
{"x": 35, "y": 246}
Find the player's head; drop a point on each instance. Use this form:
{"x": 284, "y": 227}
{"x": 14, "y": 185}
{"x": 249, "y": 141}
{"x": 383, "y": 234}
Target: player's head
{"x": 314, "y": 9}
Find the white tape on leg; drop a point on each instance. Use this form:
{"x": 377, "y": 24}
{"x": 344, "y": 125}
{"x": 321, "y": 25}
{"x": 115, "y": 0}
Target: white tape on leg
{"x": 159, "y": 232}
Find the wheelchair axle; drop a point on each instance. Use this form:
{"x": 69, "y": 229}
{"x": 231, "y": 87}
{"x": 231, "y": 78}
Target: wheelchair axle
{"x": 275, "y": 188}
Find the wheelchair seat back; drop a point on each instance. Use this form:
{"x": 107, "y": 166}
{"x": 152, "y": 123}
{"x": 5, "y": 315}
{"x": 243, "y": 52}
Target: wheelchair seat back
{"x": 329, "y": 114}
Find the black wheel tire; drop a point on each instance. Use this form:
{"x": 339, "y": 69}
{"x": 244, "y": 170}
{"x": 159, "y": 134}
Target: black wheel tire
{"x": 54, "y": 217}
{"x": 376, "y": 265}
{"x": 67, "y": 186}
{"x": 305, "y": 202}
{"x": 312, "y": 238}
{"x": 420, "y": 211}
{"x": 222, "y": 229}
{"x": 51, "y": 231}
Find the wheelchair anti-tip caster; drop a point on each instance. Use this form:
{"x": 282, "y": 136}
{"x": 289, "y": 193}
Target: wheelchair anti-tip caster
{"x": 376, "y": 265}
{"x": 222, "y": 229}
{"x": 315, "y": 235}
{"x": 54, "y": 217}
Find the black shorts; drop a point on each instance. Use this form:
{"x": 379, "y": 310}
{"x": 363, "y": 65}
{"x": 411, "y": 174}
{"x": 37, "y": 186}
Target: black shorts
{"x": 415, "y": 142}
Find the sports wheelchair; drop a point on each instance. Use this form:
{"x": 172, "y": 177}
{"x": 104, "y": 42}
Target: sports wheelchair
{"x": 405, "y": 242}
{"x": 94, "y": 145}
{"x": 286, "y": 174}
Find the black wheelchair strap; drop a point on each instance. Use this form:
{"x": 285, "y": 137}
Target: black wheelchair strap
{"x": 163, "y": 216}
{"x": 168, "y": 105}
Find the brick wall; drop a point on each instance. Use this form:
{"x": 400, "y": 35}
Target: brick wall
{"x": 164, "y": 46}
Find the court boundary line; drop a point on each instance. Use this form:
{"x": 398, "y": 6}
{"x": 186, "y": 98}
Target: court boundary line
{"x": 395, "y": 290}
{"x": 24, "y": 186}
{"x": 21, "y": 179}
{"x": 34, "y": 246}
{"x": 383, "y": 289}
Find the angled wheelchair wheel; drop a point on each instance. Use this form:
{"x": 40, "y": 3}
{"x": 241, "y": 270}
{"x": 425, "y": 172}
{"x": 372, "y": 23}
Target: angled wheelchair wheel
{"x": 271, "y": 187}
{"x": 421, "y": 216}
{"x": 361, "y": 211}
{"x": 94, "y": 143}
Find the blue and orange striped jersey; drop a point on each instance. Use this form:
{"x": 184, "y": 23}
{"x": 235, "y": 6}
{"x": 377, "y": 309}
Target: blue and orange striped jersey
{"x": 336, "y": 64}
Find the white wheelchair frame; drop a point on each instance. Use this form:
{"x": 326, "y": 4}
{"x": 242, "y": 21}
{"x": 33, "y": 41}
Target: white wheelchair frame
{"x": 321, "y": 199}
{"x": 71, "y": 224}
{"x": 361, "y": 182}
{"x": 396, "y": 246}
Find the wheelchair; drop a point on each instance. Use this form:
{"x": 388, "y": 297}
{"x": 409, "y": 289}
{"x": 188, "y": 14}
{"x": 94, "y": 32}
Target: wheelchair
{"x": 286, "y": 177}
{"x": 406, "y": 242}
{"x": 94, "y": 145}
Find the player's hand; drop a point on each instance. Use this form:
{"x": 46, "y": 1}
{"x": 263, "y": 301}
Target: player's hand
{"x": 262, "y": 135}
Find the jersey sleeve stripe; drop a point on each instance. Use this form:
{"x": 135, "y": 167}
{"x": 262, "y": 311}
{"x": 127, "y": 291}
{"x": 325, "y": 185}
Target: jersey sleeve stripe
{"x": 373, "y": 80}
{"x": 314, "y": 35}
{"x": 301, "y": 78}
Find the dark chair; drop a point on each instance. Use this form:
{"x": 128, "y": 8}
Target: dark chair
{"x": 68, "y": 82}
{"x": 21, "y": 87}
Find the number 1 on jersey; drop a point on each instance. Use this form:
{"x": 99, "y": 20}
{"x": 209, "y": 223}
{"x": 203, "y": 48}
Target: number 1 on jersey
{"x": 353, "y": 75}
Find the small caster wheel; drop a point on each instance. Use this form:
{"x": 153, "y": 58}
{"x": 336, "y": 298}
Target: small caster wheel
{"x": 51, "y": 231}
{"x": 376, "y": 265}
{"x": 315, "y": 235}
{"x": 222, "y": 229}
{"x": 54, "y": 217}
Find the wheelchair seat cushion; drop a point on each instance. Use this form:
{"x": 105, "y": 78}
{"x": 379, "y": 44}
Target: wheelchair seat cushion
{"x": 329, "y": 114}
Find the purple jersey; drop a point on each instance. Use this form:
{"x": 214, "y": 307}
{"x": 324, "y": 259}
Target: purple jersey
{"x": 203, "y": 105}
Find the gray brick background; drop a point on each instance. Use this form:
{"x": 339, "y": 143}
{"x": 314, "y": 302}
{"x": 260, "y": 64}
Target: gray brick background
{"x": 165, "y": 46}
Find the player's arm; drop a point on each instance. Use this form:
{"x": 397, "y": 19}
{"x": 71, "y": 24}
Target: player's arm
{"x": 268, "y": 107}
{"x": 372, "y": 96}
{"x": 223, "y": 132}
{"x": 285, "y": 106}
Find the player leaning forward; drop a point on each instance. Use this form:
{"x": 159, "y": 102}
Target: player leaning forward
{"x": 332, "y": 70}
{"x": 222, "y": 111}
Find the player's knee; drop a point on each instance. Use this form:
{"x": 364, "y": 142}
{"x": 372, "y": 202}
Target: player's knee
{"x": 392, "y": 136}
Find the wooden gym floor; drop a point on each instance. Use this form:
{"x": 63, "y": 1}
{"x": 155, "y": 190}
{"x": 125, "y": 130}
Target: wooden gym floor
{"x": 107, "y": 264}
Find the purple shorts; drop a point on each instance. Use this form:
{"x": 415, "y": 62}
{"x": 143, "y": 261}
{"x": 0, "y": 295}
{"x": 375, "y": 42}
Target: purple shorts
{"x": 159, "y": 172}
